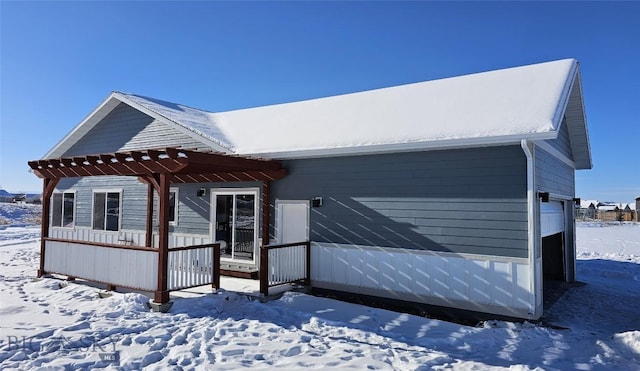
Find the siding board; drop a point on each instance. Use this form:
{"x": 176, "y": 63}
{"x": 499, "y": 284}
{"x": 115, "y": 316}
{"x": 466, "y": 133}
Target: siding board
{"x": 193, "y": 211}
{"x": 563, "y": 142}
{"x": 126, "y": 129}
{"x": 553, "y": 175}
{"x": 461, "y": 201}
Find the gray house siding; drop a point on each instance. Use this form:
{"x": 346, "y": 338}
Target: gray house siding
{"x": 461, "y": 201}
{"x": 125, "y": 129}
{"x": 193, "y": 211}
{"x": 134, "y": 198}
{"x": 563, "y": 143}
{"x": 553, "y": 175}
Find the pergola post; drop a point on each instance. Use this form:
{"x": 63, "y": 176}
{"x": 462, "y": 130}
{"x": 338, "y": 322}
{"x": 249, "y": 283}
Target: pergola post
{"x": 264, "y": 253}
{"x": 149, "y": 225}
{"x": 266, "y": 194}
{"x": 162, "y": 294}
{"x": 47, "y": 190}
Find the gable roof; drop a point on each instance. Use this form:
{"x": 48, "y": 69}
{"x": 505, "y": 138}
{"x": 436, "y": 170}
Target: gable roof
{"x": 489, "y": 108}
{"x": 585, "y": 204}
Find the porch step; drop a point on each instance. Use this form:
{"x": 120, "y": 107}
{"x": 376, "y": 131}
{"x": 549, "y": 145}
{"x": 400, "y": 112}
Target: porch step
{"x": 239, "y": 271}
{"x": 252, "y": 275}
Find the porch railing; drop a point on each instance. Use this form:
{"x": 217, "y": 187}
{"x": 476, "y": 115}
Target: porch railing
{"x": 193, "y": 266}
{"x": 133, "y": 266}
{"x": 285, "y": 263}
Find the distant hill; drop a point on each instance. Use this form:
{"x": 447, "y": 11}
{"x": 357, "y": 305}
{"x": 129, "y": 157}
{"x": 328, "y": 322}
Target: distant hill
{"x": 4, "y": 192}
{"x": 8, "y": 196}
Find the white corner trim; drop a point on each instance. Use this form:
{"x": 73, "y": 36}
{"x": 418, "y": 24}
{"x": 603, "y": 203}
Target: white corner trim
{"x": 531, "y": 225}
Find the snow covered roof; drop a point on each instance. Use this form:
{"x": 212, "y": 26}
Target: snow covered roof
{"x": 496, "y": 107}
{"x": 585, "y": 204}
{"x": 614, "y": 206}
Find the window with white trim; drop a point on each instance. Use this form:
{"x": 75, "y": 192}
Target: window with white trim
{"x": 173, "y": 206}
{"x": 63, "y": 209}
{"x": 106, "y": 210}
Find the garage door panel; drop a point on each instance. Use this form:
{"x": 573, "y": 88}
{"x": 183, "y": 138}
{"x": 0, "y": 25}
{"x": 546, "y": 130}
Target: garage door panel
{"x": 551, "y": 218}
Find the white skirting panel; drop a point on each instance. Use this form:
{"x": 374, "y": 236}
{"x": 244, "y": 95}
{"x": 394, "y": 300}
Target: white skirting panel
{"x": 120, "y": 267}
{"x": 126, "y": 237}
{"x": 473, "y": 282}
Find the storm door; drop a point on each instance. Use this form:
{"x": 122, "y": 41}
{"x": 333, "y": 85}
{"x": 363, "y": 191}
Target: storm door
{"x": 235, "y": 216}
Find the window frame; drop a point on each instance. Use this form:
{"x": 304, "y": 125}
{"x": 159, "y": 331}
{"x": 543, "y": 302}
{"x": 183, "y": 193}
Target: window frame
{"x": 176, "y": 200}
{"x": 106, "y": 191}
{"x": 62, "y": 209}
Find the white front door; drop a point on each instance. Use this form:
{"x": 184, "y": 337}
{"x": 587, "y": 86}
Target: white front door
{"x": 235, "y": 223}
{"x": 292, "y": 224}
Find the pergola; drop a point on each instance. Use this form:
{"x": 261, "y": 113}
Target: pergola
{"x": 158, "y": 168}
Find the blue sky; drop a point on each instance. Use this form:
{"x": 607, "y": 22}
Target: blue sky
{"x": 59, "y": 60}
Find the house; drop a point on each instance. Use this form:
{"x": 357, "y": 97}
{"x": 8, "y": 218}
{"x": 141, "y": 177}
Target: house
{"x": 607, "y": 211}
{"x": 626, "y": 212}
{"x": 587, "y": 209}
{"x": 456, "y": 192}
{"x": 612, "y": 211}
{"x": 637, "y": 209}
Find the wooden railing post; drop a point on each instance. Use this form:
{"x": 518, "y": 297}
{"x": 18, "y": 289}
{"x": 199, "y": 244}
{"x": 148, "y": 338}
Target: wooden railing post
{"x": 264, "y": 271}
{"x": 47, "y": 190}
{"x": 216, "y": 266}
{"x": 307, "y": 280}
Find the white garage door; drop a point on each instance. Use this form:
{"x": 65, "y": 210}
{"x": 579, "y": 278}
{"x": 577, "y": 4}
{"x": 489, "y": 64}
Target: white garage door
{"x": 551, "y": 218}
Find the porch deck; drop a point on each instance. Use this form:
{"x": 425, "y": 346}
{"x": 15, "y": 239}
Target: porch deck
{"x": 244, "y": 286}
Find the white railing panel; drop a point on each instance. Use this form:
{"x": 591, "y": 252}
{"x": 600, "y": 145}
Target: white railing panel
{"x": 125, "y": 237}
{"x": 120, "y": 267}
{"x": 189, "y": 268}
{"x": 287, "y": 264}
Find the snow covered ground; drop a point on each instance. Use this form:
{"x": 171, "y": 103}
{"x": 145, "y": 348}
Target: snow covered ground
{"x": 52, "y": 324}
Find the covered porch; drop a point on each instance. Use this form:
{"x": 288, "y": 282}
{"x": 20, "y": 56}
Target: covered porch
{"x": 154, "y": 265}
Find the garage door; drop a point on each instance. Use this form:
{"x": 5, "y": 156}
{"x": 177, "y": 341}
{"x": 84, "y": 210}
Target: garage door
{"x": 551, "y": 218}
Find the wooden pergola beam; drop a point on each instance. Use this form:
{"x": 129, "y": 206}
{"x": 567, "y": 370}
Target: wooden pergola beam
{"x": 214, "y": 166}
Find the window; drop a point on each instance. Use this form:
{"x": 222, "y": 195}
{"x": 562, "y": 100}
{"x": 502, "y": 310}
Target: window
{"x": 63, "y": 209}
{"x": 106, "y": 211}
{"x": 173, "y": 206}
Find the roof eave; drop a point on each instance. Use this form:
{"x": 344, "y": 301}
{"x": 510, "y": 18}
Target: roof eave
{"x": 101, "y": 111}
{"x": 504, "y": 140}
{"x": 586, "y": 163}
